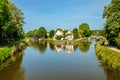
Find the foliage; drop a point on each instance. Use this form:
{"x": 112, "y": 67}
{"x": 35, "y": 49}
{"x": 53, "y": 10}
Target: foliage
{"x": 75, "y": 33}
{"x": 112, "y": 16}
{"x": 117, "y": 41}
{"x": 81, "y": 33}
{"x": 51, "y": 34}
{"x": 59, "y": 29}
{"x": 86, "y": 29}
{"x": 58, "y": 37}
{"x": 64, "y": 33}
{"x": 11, "y": 21}
{"x": 5, "y": 53}
{"x": 41, "y": 32}
{"x": 31, "y": 33}
{"x": 108, "y": 56}
{"x": 98, "y": 32}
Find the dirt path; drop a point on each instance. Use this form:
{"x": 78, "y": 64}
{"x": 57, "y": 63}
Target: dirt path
{"x": 115, "y": 49}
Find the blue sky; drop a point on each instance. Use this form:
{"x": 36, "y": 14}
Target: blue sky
{"x": 65, "y": 14}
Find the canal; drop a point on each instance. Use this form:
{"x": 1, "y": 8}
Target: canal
{"x": 43, "y": 61}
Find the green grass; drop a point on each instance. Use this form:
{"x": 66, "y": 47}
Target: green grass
{"x": 5, "y": 52}
{"x": 8, "y": 51}
{"x": 108, "y": 56}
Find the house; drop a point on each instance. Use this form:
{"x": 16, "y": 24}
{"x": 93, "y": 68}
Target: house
{"x": 69, "y": 35}
{"x": 58, "y": 32}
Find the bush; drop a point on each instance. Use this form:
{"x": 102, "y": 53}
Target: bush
{"x": 5, "y": 53}
{"x": 59, "y": 37}
{"x": 117, "y": 40}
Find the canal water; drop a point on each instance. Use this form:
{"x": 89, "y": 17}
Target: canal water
{"x": 43, "y": 61}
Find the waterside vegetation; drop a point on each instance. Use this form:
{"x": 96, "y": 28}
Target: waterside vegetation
{"x": 8, "y": 51}
{"x": 107, "y": 56}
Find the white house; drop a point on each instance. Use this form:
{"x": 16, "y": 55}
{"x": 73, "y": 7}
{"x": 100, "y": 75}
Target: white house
{"x": 58, "y": 33}
{"x": 69, "y": 35}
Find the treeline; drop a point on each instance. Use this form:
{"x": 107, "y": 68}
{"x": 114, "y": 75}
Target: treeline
{"x": 82, "y": 31}
{"x": 98, "y": 33}
{"x": 112, "y": 26}
{"x": 11, "y": 21}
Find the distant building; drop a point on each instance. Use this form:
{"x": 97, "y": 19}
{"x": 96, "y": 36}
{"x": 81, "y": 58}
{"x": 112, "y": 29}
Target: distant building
{"x": 58, "y": 33}
{"x": 69, "y": 35}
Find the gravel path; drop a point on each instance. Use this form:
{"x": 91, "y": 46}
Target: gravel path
{"x": 115, "y": 49}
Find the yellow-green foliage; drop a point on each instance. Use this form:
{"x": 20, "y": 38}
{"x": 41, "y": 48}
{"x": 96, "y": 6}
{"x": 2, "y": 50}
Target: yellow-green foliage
{"x": 5, "y": 52}
{"x": 8, "y": 51}
{"x": 108, "y": 56}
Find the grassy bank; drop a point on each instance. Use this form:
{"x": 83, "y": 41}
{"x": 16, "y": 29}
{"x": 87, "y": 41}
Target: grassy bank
{"x": 5, "y": 52}
{"x": 107, "y": 56}
{"x": 10, "y": 50}
{"x": 65, "y": 42}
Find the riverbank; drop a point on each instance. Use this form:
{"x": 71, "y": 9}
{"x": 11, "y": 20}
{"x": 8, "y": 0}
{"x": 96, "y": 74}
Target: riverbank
{"x": 61, "y": 42}
{"x": 10, "y": 50}
{"x": 108, "y": 56}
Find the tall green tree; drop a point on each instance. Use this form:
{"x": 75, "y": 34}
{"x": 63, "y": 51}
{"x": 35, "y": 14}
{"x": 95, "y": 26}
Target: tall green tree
{"x": 75, "y": 33}
{"x": 86, "y": 29}
{"x": 112, "y": 16}
{"x": 51, "y": 34}
{"x": 41, "y": 32}
{"x": 16, "y": 22}
{"x": 4, "y": 19}
{"x": 30, "y": 33}
{"x": 11, "y": 21}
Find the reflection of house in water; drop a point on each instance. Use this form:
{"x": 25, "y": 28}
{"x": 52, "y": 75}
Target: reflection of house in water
{"x": 58, "y": 48}
{"x": 69, "y": 48}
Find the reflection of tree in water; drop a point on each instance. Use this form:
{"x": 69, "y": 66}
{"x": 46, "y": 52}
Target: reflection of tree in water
{"x": 111, "y": 74}
{"x": 51, "y": 46}
{"x": 75, "y": 47}
{"x": 84, "y": 47}
{"x": 13, "y": 71}
{"x": 41, "y": 46}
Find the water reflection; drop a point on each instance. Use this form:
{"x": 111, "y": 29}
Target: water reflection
{"x": 56, "y": 67}
{"x": 41, "y": 46}
{"x": 112, "y": 74}
{"x": 13, "y": 70}
{"x": 84, "y": 47}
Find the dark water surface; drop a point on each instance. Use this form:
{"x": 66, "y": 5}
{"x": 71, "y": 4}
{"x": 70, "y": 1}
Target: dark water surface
{"x": 43, "y": 61}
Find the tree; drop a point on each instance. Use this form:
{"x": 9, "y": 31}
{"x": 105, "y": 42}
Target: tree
{"x": 16, "y": 22}
{"x": 41, "y": 32}
{"x": 86, "y": 29}
{"x": 52, "y": 32}
{"x": 4, "y": 19}
{"x": 81, "y": 33}
{"x": 112, "y": 15}
{"x": 75, "y": 33}
{"x": 11, "y": 21}
{"x": 31, "y": 33}
{"x": 64, "y": 33}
